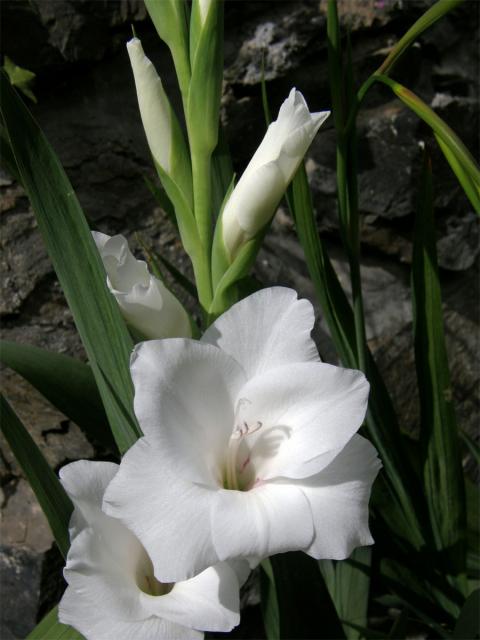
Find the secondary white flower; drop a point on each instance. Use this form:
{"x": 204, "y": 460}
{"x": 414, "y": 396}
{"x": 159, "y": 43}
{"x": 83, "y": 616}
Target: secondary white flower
{"x": 266, "y": 178}
{"x": 146, "y": 303}
{"x": 250, "y": 444}
{"x": 112, "y": 592}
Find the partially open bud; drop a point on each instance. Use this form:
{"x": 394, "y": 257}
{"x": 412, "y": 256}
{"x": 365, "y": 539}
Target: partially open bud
{"x": 266, "y": 178}
{"x": 146, "y": 304}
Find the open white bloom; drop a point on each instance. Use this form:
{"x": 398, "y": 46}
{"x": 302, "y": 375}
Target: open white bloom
{"x": 266, "y": 178}
{"x": 146, "y": 303}
{"x": 112, "y": 592}
{"x": 250, "y": 444}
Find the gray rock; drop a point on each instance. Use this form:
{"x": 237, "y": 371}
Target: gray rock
{"x": 20, "y": 571}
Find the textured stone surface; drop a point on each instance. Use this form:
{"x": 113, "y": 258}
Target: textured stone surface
{"x": 87, "y": 108}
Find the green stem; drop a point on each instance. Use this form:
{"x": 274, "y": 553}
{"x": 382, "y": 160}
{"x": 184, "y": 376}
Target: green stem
{"x": 202, "y": 192}
{"x": 347, "y": 187}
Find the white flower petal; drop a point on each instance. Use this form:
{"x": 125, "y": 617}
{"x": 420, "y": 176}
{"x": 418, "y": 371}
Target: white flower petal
{"x": 146, "y": 303}
{"x": 339, "y": 497}
{"x": 308, "y": 412}
{"x": 169, "y": 514}
{"x": 184, "y": 400}
{"x": 266, "y": 520}
{"x": 88, "y": 616}
{"x": 85, "y": 482}
{"x": 102, "y": 563}
{"x": 210, "y": 601}
{"x": 153, "y": 310}
{"x": 266, "y": 330}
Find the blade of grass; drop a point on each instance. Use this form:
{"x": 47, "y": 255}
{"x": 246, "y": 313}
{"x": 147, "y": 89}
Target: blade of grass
{"x": 463, "y": 177}
{"x": 163, "y": 200}
{"x": 341, "y": 90}
{"x": 442, "y": 468}
{"x": 381, "y": 420}
{"x": 434, "y": 13}
{"x": 76, "y": 262}
{"x": 348, "y": 583}
{"x": 50, "y": 494}
{"x": 448, "y": 137}
{"x": 295, "y": 599}
{"x": 51, "y": 629}
{"x": 467, "y": 623}
{"x": 222, "y": 171}
{"x": 65, "y": 382}
{"x": 471, "y": 445}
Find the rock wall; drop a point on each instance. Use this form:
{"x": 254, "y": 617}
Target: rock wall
{"x": 87, "y": 108}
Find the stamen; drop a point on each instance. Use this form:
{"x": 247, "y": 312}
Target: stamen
{"x": 244, "y": 430}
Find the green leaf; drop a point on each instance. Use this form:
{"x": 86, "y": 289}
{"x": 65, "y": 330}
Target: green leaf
{"x": 20, "y": 78}
{"x": 295, "y": 599}
{"x": 50, "y": 494}
{"x": 399, "y": 630}
{"x": 77, "y": 263}
{"x": 434, "y": 13}
{"x": 7, "y": 159}
{"x": 51, "y": 629}
{"x": 162, "y": 199}
{"x": 463, "y": 160}
{"x": 442, "y": 468}
{"x": 65, "y": 382}
{"x": 171, "y": 18}
{"x": 471, "y": 445}
{"x": 222, "y": 172}
{"x": 473, "y": 528}
{"x": 405, "y": 495}
{"x": 467, "y": 625}
{"x": 463, "y": 177}
{"x": 348, "y": 583}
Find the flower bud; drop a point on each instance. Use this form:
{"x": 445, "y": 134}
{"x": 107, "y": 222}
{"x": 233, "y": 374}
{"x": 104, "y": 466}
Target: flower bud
{"x": 163, "y": 132}
{"x": 266, "y": 178}
{"x": 204, "y": 6}
{"x": 146, "y": 304}
{"x": 154, "y": 106}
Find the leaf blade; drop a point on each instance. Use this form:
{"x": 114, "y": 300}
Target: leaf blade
{"x": 49, "y": 628}
{"x": 53, "y": 500}
{"x": 443, "y": 474}
{"x": 75, "y": 259}
{"x": 65, "y": 382}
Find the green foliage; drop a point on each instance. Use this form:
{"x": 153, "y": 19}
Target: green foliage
{"x": 442, "y": 466}
{"x": 51, "y": 629}
{"x": 348, "y": 584}
{"x": 76, "y": 262}
{"x": 20, "y": 78}
{"x": 295, "y": 600}
{"x": 50, "y": 494}
{"x": 65, "y": 382}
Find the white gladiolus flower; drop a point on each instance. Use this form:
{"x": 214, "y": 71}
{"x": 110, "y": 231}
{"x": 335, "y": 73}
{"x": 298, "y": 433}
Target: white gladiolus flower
{"x": 250, "y": 444}
{"x": 154, "y": 107}
{"x": 266, "y": 178}
{"x": 112, "y": 592}
{"x": 146, "y": 303}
